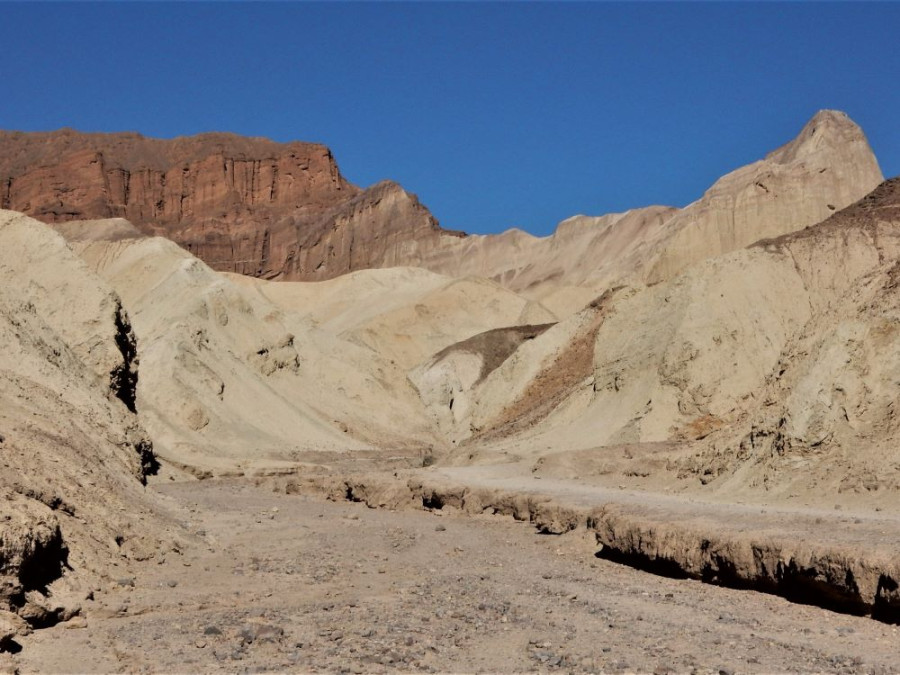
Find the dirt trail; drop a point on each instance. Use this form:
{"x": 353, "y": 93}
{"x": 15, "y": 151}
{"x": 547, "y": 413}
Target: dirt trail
{"x": 296, "y": 583}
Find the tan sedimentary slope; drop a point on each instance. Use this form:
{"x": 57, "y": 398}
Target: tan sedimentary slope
{"x": 242, "y": 373}
{"x": 457, "y": 310}
{"x": 554, "y": 268}
{"x": 754, "y": 364}
{"x": 542, "y": 372}
{"x": 73, "y": 456}
{"x": 346, "y": 302}
{"x": 828, "y": 166}
{"x": 233, "y": 382}
{"x": 406, "y": 314}
{"x": 828, "y": 414}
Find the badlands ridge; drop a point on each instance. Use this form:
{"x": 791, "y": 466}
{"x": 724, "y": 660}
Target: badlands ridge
{"x": 218, "y": 306}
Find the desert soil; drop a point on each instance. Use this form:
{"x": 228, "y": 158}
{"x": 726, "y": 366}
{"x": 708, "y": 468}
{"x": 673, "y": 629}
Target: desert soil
{"x": 277, "y": 582}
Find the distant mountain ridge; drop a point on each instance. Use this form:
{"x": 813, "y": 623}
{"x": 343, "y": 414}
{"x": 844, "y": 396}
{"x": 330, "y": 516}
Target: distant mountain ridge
{"x": 283, "y": 210}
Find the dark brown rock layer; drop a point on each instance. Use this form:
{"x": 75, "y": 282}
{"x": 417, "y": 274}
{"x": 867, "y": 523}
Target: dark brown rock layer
{"x": 247, "y": 205}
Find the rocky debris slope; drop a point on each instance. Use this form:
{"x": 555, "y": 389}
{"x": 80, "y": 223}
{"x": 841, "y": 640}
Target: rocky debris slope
{"x": 248, "y": 205}
{"x": 73, "y": 457}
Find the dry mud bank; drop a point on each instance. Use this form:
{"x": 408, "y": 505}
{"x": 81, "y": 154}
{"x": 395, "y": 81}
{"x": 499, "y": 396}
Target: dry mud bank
{"x": 303, "y": 584}
{"x": 845, "y": 561}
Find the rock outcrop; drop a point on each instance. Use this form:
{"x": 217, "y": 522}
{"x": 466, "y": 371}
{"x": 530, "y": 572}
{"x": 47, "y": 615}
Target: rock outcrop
{"x": 74, "y": 456}
{"x": 828, "y": 166}
{"x": 246, "y": 205}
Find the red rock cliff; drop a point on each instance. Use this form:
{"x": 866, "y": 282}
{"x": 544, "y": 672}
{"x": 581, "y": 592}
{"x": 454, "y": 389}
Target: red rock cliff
{"x": 248, "y": 205}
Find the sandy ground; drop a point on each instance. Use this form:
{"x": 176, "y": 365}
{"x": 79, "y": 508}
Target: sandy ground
{"x": 294, "y": 583}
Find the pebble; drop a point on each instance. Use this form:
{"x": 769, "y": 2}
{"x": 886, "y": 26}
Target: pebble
{"x": 76, "y": 622}
{"x": 260, "y": 632}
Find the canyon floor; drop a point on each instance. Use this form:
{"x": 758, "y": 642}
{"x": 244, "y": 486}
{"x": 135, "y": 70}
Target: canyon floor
{"x": 295, "y": 582}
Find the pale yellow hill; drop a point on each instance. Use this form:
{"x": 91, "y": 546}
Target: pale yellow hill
{"x": 828, "y": 166}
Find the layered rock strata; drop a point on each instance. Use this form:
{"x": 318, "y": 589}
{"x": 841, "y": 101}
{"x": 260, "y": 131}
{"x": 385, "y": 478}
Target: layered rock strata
{"x": 246, "y": 205}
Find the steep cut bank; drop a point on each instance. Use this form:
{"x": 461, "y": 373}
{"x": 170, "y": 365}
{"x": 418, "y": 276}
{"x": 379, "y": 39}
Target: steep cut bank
{"x": 73, "y": 456}
{"x": 247, "y": 205}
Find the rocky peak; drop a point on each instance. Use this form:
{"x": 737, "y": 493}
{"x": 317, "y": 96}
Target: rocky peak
{"x": 827, "y": 131}
{"x": 826, "y": 167}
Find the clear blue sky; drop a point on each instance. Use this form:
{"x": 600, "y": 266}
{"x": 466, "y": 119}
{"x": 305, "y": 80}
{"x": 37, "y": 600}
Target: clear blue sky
{"x": 496, "y": 115}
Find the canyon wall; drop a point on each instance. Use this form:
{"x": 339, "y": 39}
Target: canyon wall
{"x": 246, "y": 205}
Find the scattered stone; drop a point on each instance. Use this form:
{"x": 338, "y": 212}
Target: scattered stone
{"x": 11, "y": 625}
{"x": 260, "y": 632}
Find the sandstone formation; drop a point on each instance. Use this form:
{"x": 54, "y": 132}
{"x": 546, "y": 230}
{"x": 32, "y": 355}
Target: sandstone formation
{"x": 248, "y": 205}
{"x": 244, "y": 375}
{"x": 411, "y": 359}
{"x": 770, "y": 370}
{"x": 228, "y": 380}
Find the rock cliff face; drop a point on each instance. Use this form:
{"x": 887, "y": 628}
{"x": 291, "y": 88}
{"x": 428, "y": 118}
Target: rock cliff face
{"x": 383, "y": 226}
{"x": 828, "y": 166}
{"x": 246, "y": 205}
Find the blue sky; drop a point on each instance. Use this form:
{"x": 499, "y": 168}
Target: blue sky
{"x": 496, "y": 115}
